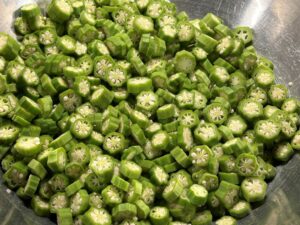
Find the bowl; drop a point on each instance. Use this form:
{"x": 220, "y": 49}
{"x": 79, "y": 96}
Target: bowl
{"x": 276, "y": 24}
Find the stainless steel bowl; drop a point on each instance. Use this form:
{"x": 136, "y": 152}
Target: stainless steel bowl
{"x": 277, "y": 36}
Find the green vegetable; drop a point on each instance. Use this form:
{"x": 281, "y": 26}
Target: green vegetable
{"x": 127, "y": 112}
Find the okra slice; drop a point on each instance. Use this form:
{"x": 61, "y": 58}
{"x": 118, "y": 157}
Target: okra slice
{"x": 147, "y": 101}
{"x": 134, "y": 191}
{"x": 114, "y": 143}
{"x": 9, "y": 47}
{"x": 96, "y": 200}
{"x": 207, "y": 134}
{"x": 74, "y": 170}
{"x": 216, "y": 113}
{"x": 81, "y": 128}
{"x": 237, "y": 125}
{"x": 64, "y": 216}
{"x": 124, "y": 211}
{"x": 200, "y": 155}
{"x": 130, "y": 169}
{"x": 37, "y": 168}
{"x": 21, "y": 26}
{"x": 86, "y": 33}
{"x": 181, "y": 157}
{"x": 168, "y": 33}
{"x": 28, "y": 146}
{"x": 283, "y": 151}
{"x": 226, "y": 220}
{"x": 225, "y": 46}
{"x": 250, "y": 109}
{"x": 267, "y": 130}
{"x": 103, "y": 167}
{"x": 246, "y": 164}
{"x": 206, "y": 42}
{"x": 290, "y": 105}
{"x": 185, "y": 62}
{"x": 148, "y": 193}
{"x": 258, "y": 94}
{"x": 101, "y": 97}
{"x": 57, "y": 160}
{"x": 295, "y": 142}
{"x": 172, "y": 191}
{"x": 159, "y": 215}
{"x": 160, "y": 140}
{"x": 288, "y": 127}
{"x": 66, "y": 44}
{"x": 264, "y": 77}
{"x": 138, "y": 84}
{"x": 139, "y": 118}
{"x": 244, "y": 33}
{"x": 143, "y": 24}
{"x": 5, "y": 106}
{"x": 158, "y": 175}
{"x": 143, "y": 209}
{"x": 58, "y": 201}
{"x": 16, "y": 175}
{"x": 247, "y": 61}
{"x": 96, "y": 216}
{"x": 45, "y": 190}
{"x": 197, "y": 195}
{"x": 228, "y": 194}
{"x": 59, "y": 10}
{"x": 40, "y": 206}
{"x": 79, "y": 153}
{"x": 277, "y": 94}
{"x": 254, "y": 189}
{"x": 188, "y": 118}
{"x": 116, "y": 76}
{"x": 93, "y": 183}
{"x": 72, "y": 188}
{"x": 154, "y": 9}
{"x": 7, "y": 160}
{"x": 8, "y": 133}
{"x": 219, "y": 75}
{"x": 138, "y": 134}
{"x": 79, "y": 202}
{"x": 112, "y": 196}
{"x": 185, "y": 31}
{"x": 31, "y": 185}
{"x": 240, "y": 209}
{"x": 202, "y": 218}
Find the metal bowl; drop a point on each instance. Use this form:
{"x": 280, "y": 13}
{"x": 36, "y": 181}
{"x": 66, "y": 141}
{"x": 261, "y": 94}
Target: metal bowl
{"x": 277, "y": 36}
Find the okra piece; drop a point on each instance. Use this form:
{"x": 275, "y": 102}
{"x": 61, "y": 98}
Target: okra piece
{"x": 197, "y": 195}
{"x": 9, "y": 48}
{"x": 59, "y": 10}
{"x": 224, "y": 220}
{"x": 57, "y": 159}
{"x": 64, "y": 216}
{"x": 93, "y": 214}
{"x": 103, "y": 167}
{"x": 130, "y": 169}
{"x": 159, "y": 215}
{"x": 172, "y": 191}
{"x": 40, "y": 206}
{"x": 58, "y": 201}
{"x": 228, "y": 194}
{"x": 31, "y": 185}
{"x": 185, "y": 62}
{"x": 124, "y": 211}
{"x": 254, "y": 189}
{"x": 240, "y": 209}
{"x": 202, "y": 218}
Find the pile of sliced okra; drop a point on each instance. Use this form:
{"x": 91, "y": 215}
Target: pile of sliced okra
{"x": 128, "y": 112}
